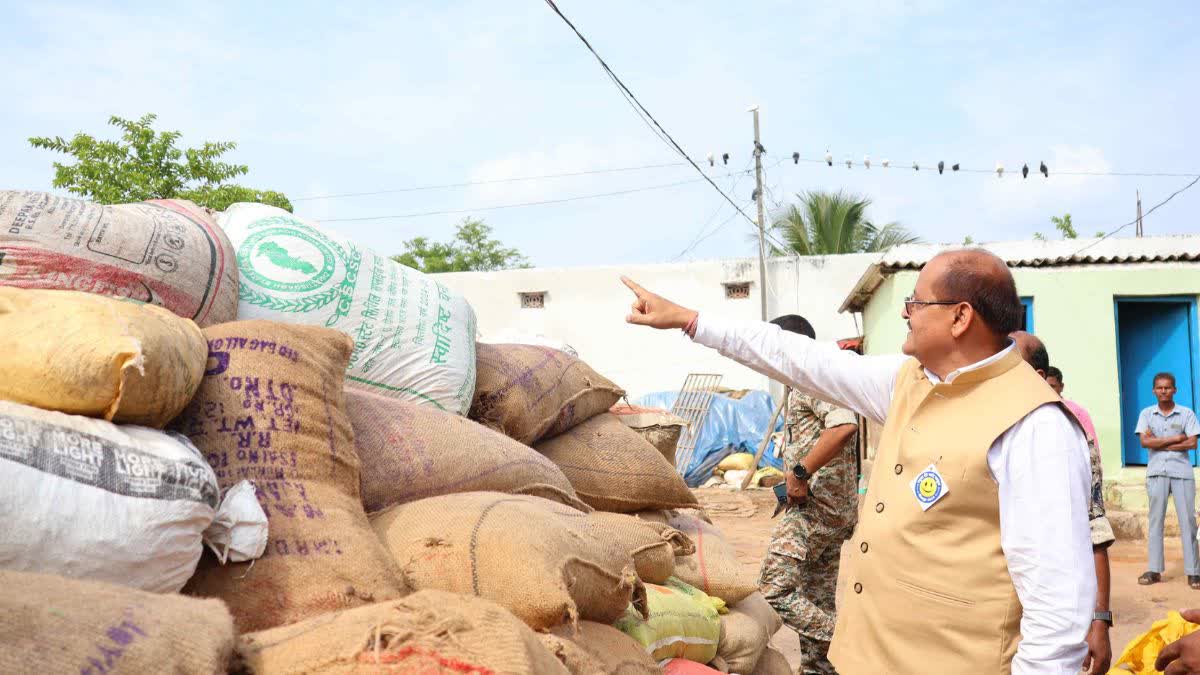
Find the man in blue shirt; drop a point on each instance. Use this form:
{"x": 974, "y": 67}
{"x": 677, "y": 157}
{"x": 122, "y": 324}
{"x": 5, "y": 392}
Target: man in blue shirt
{"x": 1168, "y": 431}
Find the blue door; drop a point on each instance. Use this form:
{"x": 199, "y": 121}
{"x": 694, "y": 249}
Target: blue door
{"x": 1027, "y": 303}
{"x": 1153, "y": 336}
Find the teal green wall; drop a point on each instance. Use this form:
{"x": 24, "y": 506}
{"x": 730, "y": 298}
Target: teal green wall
{"x": 1074, "y": 315}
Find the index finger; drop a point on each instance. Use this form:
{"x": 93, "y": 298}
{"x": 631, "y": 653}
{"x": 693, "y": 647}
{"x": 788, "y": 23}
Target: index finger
{"x": 1168, "y": 654}
{"x": 637, "y": 290}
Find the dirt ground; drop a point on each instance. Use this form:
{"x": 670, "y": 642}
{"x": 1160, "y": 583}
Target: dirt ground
{"x": 745, "y": 519}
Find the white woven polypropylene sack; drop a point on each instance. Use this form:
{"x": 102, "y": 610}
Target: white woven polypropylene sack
{"x": 414, "y": 339}
{"x": 86, "y": 498}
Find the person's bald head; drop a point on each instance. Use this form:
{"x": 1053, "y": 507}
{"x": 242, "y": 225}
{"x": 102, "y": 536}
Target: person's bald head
{"x": 1033, "y": 350}
{"x": 981, "y": 279}
{"x": 962, "y": 309}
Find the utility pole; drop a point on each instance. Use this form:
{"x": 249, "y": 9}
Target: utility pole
{"x": 762, "y": 246}
{"x": 1138, "y": 232}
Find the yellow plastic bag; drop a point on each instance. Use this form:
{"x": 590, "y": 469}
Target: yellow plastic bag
{"x": 766, "y": 472}
{"x": 738, "y": 461}
{"x": 90, "y": 355}
{"x": 684, "y": 623}
{"x": 1140, "y": 653}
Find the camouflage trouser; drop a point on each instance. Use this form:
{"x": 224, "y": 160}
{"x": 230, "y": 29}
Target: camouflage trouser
{"x": 799, "y": 579}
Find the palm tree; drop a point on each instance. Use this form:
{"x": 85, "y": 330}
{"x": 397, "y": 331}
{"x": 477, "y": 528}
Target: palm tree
{"x": 825, "y": 223}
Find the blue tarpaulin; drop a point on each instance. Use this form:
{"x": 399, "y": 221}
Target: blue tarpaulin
{"x": 732, "y": 425}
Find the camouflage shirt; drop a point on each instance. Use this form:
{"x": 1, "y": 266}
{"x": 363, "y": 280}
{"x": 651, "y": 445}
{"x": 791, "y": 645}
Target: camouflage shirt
{"x": 833, "y": 489}
{"x": 1102, "y": 532}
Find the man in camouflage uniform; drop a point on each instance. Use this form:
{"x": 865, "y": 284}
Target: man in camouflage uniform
{"x": 799, "y": 573}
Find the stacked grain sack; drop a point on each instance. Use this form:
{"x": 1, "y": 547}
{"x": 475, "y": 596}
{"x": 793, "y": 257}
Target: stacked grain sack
{"x": 95, "y": 490}
{"x": 558, "y": 405}
{"x": 166, "y": 252}
{"x": 512, "y": 541}
{"x": 341, "y": 392}
{"x": 464, "y": 509}
{"x": 414, "y": 339}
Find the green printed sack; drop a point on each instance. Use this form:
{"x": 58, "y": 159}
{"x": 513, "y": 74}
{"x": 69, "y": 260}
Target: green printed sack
{"x": 683, "y": 623}
{"x": 414, "y": 339}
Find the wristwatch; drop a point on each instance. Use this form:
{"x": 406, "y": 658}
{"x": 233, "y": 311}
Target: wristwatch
{"x": 800, "y": 472}
{"x": 1106, "y": 617}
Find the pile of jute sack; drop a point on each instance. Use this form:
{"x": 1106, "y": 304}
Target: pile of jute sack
{"x": 234, "y": 442}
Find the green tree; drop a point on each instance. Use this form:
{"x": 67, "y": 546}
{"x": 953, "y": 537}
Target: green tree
{"x": 471, "y": 250}
{"x": 1038, "y": 236}
{"x": 825, "y": 223}
{"x": 968, "y": 240}
{"x": 145, "y": 164}
{"x": 1064, "y": 226}
{"x": 221, "y": 197}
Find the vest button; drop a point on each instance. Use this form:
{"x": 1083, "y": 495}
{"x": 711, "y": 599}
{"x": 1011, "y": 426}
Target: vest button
{"x": 863, "y": 547}
{"x": 899, "y": 469}
{"x": 879, "y": 507}
{"x": 858, "y": 588}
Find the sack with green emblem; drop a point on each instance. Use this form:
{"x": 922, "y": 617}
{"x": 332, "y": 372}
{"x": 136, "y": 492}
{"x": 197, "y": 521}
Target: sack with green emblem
{"x": 414, "y": 339}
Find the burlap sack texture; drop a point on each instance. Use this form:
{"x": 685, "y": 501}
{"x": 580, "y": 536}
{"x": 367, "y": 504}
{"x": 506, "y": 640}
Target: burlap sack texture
{"x": 51, "y": 624}
{"x": 614, "y": 469}
{"x": 598, "y": 649}
{"x": 166, "y": 252}
{"x": 659, "y": 427}
{"x": 773, "y": 662}
{"x": 746, "y": 631}
{"x": 426, "y": 632}
{"x": 271, "y": 410}
{"x": 90, "y": 355}
{"x": 545, "y": 562}
{"x": 652, "y": 545}
{"x": 530, "y": 392}
{"x": 714, "y": 567}
{"x": 411, "y": 452}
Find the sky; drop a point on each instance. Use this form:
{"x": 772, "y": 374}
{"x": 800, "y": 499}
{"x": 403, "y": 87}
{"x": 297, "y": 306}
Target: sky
{"x": 362, "y": 97}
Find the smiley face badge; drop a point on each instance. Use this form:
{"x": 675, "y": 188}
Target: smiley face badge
{"x": 928, "y": 487}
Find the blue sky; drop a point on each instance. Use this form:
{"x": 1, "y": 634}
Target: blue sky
{"x": 357, "y": 97}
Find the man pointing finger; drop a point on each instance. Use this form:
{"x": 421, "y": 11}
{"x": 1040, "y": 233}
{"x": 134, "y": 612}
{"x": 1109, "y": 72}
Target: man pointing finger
{"x": 972, "y": 553}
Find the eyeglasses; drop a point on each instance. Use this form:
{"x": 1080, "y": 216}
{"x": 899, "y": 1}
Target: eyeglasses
{"x": 910, "y": 303}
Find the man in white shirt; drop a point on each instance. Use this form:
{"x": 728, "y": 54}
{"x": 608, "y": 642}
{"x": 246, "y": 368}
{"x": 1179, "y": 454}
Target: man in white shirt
{"x": 960, "y": 314}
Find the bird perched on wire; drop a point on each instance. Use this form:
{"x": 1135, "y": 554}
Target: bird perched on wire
{"x": 711, "y": 160}
{"x": 849, "y": 163}
{"x": 1024, "y": 171}
{"x": 916, "y": 167}
{"x": 886, "y": 163}
{"x": 759, "y": 148}
{"x": 954, "y": 168}
{"x": 1044, "y": 170}
{"x": 867, "y": 161}
{"x": 999, "y": 170}
{"x": 725, "y": 158}
{"x": 828, "y": 157}
{"x": 795, "y": 158}
{"x": 941, "y": 167}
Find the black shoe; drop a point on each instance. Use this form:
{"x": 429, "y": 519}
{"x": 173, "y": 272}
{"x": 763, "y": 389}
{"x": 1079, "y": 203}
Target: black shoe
{"x": 1194, "y": 581}
{"x": 1152, "y": 578}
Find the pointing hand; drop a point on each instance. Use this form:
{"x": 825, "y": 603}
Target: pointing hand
{"x": 654, "y": 311}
